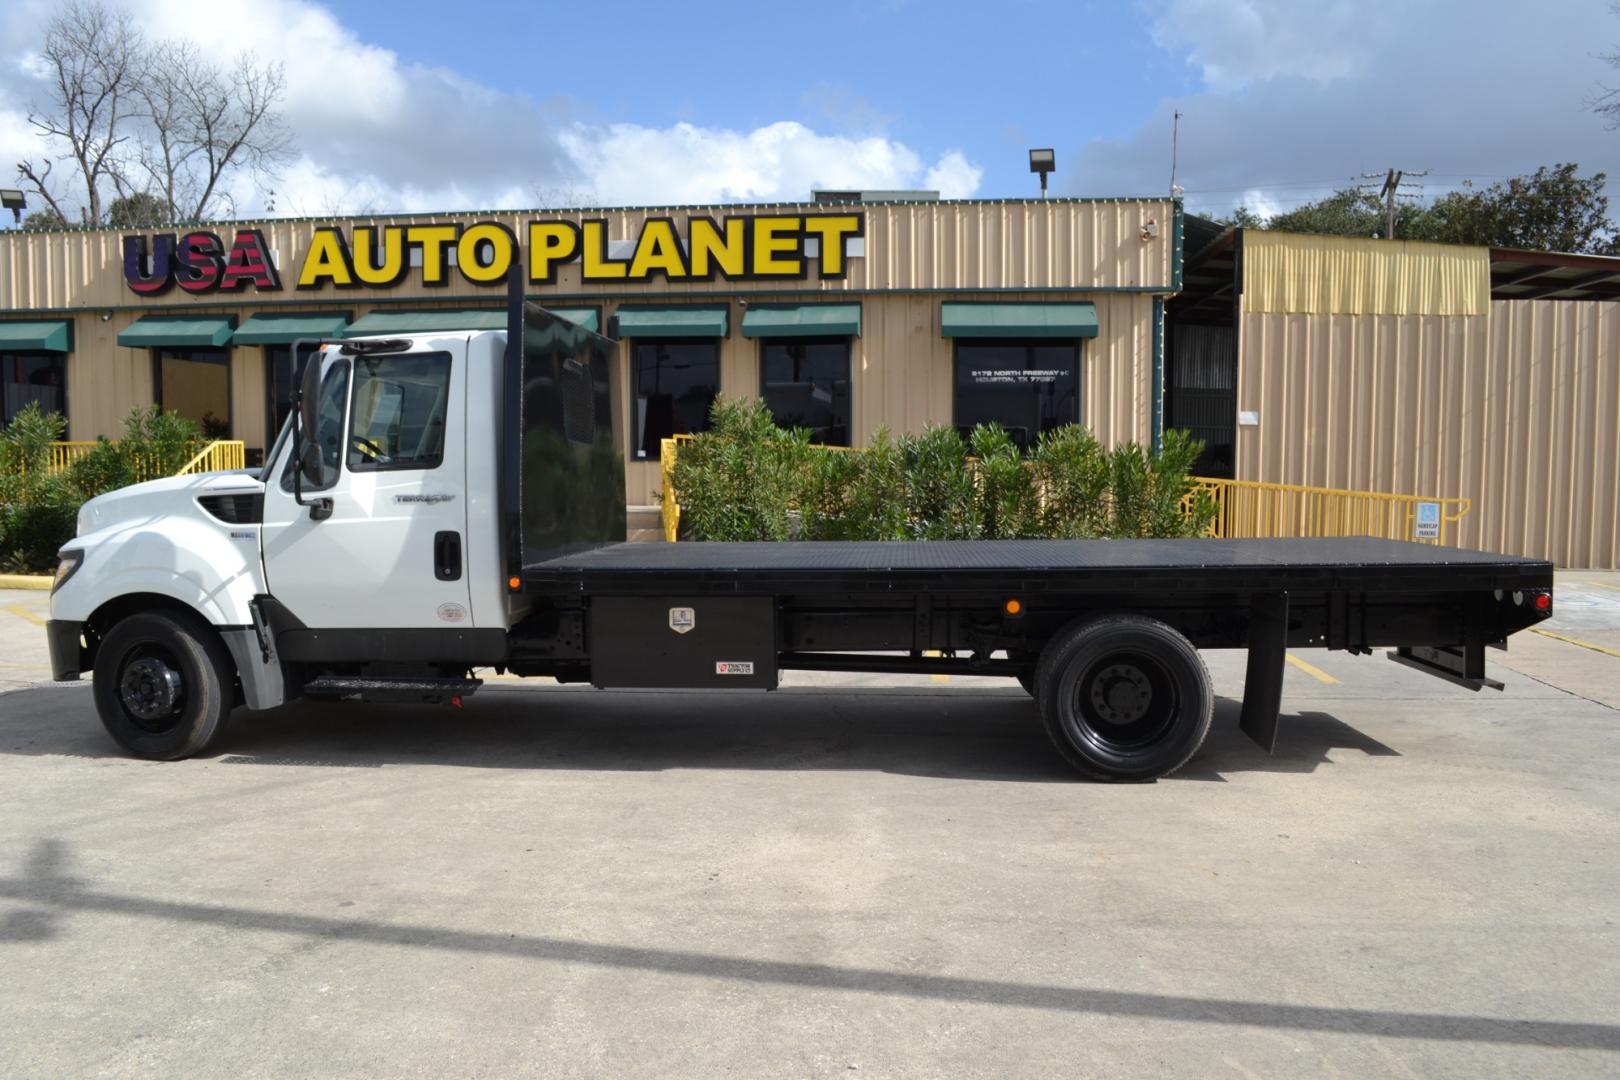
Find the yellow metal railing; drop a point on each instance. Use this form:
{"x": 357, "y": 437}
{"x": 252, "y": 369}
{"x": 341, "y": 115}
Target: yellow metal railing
{"x": 64, "y": 454}
{"x": 1249, "y": 508}
{"x": 216, "y": 456}
{"x": 1245, "y": 508}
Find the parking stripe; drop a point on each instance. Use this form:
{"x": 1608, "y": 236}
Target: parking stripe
{"x": 1312, "y": 670}
{"x": 1599, "y": 584}
{"x": 1604, "y": 649}
{"x": 23, "y": 613}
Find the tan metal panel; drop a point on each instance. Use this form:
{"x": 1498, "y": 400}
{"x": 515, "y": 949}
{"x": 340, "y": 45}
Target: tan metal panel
{"x": 942, "y": 246}
{"x": 1290, "y": 274}
{"x": 1516, "y": 411}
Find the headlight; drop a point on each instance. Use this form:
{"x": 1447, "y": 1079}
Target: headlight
{"x": 67, "y": 562}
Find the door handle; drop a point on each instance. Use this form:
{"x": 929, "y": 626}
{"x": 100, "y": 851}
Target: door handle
{"x": 447, "y": 556}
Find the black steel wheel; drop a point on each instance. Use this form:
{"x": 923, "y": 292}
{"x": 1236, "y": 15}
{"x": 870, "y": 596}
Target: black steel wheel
{"x": 1124, "y": 697}
{"x": 163, "y": 685}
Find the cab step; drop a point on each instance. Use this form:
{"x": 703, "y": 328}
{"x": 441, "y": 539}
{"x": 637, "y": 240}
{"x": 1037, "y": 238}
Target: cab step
{"x": 427, "y": 690}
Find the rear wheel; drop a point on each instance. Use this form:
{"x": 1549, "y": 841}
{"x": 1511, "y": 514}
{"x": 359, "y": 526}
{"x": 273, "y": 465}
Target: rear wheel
{"x": 163, "y": 685}
{"x": 1124, "y": 698}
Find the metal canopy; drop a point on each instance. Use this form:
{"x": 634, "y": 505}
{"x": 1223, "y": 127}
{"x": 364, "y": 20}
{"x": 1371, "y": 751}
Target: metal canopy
{"x": 182, "y": 331}
{"x": 1024, "y": 320}
{"x": 52, "y": 335}
{"x": 445, "y": 320}
{"x": 802, "y": 320}
{"x": 692, "y": 321}
{"x": 285, "y": 329}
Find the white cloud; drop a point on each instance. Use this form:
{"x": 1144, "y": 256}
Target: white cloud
{"x": 1481, "y": 89}
{"x": 1236, "y": 42}
{"x": 626, "y": 163}
{"x": 377, "y": 133}
{"x": 954, "y": 176}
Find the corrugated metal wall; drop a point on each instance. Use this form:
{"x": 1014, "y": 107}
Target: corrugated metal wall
{"x": 1518, "y": 411}
{"x": 938, "y": 246}
{"x": 1289, "y": 274}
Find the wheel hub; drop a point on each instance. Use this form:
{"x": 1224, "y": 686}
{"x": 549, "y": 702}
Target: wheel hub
{"x": 150, "y": 689}
{"x": 1121, "y": 694}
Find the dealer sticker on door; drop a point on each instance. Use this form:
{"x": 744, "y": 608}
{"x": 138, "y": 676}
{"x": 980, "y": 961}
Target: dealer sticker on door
{"x": 733, "y": 667}
{"x": 682, "y": 619}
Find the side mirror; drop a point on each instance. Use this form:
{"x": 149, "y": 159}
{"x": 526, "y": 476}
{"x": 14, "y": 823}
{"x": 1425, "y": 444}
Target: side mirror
{"x": 308, "y": 453}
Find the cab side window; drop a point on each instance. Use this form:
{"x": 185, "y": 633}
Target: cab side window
{"x": 328, "y": 434}
{"x": 398, "y": 411}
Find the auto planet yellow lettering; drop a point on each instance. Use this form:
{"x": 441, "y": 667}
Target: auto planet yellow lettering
{"x": 736, "y": 248}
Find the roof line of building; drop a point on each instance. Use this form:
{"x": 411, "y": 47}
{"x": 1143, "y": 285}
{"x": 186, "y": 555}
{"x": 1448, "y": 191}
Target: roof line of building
{"x": 668, "y": 207}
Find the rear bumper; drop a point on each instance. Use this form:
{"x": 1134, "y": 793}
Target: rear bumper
{"x": 67, "y": 652}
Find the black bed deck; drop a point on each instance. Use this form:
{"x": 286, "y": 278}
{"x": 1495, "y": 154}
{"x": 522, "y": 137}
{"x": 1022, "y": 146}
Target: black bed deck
{"x": 1353, "y": 563}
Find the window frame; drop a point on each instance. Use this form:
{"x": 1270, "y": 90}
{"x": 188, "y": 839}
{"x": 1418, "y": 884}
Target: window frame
{"x": 349, "y": 406}
{"x": 28, "y": 354}
{"x": 1078, "y": 344}
{"x": 848, "y": 344}
{"x": 636, "y": 454}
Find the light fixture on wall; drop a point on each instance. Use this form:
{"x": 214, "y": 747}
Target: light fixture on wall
{"x": 106, "y": 316}
{"x": 1043, "y": 162}
{"x": 14, "y": 200}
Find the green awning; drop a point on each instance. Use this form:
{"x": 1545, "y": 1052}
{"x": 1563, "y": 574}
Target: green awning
{"x": 286, "y": 329}
{"x": 1028, "y": 320}
{"x": 51, "y": 335}
{"x": 802, "y": 320}
{"x": 691, "y": 321}
{"x": 427, "y": 322}
{"x": 183, "y": 331}
{"x": 584, "y": 316}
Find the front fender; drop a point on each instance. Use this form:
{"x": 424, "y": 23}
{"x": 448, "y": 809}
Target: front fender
{"x": 213, "y": 567}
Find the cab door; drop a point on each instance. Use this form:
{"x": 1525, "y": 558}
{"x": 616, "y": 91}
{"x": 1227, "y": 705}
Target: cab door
{"x": 391, "y": 553}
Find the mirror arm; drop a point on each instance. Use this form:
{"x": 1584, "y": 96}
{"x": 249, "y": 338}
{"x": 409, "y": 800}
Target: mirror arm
{"x": 320, "y": 508}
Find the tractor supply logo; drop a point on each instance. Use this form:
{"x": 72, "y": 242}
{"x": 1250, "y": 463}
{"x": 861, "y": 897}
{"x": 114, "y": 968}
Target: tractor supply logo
{"x": 751, "y": 247}
{"x": 682, "y": 620}
{"x": 734, "y": 667}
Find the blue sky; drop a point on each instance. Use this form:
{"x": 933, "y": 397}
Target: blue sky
{"x": 478, "y": 105}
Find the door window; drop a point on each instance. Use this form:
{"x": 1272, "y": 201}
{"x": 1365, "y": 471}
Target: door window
{"x": 398, "y": 412}
{"x": 37, "y": 377}
{"x": 196, "y": 383}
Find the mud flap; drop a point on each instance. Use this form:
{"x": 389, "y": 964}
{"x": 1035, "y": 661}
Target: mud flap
{"x": 1262, "y": 684}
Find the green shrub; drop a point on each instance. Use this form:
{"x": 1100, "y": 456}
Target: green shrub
{"x": 745, "y": 473}
{"x": 1009, "y": 504}
{"x": 747, "y": 479}
{"x": 942, "y": 502}
{"x": 1072, "y": 474}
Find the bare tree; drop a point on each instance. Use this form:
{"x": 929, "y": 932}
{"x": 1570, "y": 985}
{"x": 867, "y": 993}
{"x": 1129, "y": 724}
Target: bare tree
{"x": 204, "y": 122}
{"x": 91, "y": 54}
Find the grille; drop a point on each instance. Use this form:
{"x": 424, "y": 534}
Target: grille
{"x": 244, "y": 509}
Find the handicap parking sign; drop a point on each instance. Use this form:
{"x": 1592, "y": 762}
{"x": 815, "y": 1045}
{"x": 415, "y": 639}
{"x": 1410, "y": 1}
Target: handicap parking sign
{"x": 1428, "y": 521}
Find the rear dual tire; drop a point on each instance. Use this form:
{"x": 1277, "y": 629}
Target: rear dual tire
{"x": 1124, "y": 698}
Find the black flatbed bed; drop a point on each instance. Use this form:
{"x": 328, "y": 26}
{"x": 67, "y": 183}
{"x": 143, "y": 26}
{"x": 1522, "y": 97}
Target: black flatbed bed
{"x": 1337, "y": 564}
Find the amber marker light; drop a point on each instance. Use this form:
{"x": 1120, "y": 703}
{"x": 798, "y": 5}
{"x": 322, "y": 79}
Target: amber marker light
{"x": 1013, "y": 607}
{"x": 514, "y": 583}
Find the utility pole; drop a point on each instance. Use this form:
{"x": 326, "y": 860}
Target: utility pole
{"x": 1393, "y": 183}
{"x": 1175, "y": 144}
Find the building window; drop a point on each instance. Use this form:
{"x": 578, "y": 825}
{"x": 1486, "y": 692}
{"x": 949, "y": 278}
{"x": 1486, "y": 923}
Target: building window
{"x": 32, "y": 376}
{"x": 805, "y": 384}
{"x": 1025, "y": 386}
{"x": 281, "y": 376}
{"x": 674, "y": 383}
{"x": 196, "y": 383}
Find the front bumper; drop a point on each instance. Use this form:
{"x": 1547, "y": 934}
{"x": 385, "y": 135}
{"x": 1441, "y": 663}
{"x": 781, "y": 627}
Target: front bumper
{"x": 67, "y": 648}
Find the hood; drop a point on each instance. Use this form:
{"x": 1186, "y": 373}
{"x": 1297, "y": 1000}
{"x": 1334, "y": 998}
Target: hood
{"x": 169, "y": 495}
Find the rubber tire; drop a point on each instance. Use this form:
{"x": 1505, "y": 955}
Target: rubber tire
{"x": 1068, "y": 656}
{"x": 205, "y": 668}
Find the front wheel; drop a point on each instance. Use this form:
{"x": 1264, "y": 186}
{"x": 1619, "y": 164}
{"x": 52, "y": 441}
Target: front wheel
{"x": 163, "y": 685}
{"x": 1124, "y": 698}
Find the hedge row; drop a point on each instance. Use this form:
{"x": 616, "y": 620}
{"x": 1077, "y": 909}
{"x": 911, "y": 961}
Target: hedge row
{"x": 747, "y": 479}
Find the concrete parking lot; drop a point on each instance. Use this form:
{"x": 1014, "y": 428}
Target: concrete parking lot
{"x": 854, "y": 876}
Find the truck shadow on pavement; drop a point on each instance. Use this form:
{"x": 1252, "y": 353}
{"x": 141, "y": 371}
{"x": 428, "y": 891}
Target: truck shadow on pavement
{"x": 54, "y": 895}
{"x": 948, "y": 733}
